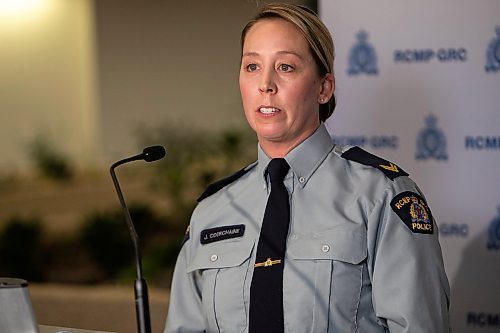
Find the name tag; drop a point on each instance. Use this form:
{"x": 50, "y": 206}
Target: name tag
{"x": 222, "y": 233}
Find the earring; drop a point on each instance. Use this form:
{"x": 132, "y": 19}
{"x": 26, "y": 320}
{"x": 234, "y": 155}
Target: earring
{"x": 321, "y": 100}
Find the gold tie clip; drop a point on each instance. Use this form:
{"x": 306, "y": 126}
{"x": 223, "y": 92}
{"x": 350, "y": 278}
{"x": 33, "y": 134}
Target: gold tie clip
{"x": 268, "y": 263}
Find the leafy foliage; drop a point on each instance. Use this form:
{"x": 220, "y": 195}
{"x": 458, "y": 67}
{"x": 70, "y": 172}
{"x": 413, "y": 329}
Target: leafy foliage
{"x": 49, "y": 162}
{"x": 20, "y": 249}
{"x": 107, "y": 239}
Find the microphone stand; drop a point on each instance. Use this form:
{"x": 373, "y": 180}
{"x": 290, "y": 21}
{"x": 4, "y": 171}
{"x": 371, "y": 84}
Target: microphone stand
{"x": 140, "y": 286}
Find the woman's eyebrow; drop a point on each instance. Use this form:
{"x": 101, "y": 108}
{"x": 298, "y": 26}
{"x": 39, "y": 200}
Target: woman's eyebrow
{"x": 298, "y": 55}
{"x": 255, "y": 54}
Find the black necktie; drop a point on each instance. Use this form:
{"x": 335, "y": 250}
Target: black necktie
{"x": 266, "y": 290}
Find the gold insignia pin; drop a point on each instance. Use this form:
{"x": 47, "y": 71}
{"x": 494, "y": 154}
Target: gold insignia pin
{"x": 391, "y": 167}
{"x": 268, "y": 263}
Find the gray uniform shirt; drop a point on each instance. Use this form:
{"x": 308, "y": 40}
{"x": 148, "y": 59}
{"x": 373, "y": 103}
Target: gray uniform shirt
{"x": 352, "y": 263}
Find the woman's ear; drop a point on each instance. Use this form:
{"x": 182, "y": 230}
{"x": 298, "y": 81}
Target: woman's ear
{"x": 327, "y": 88}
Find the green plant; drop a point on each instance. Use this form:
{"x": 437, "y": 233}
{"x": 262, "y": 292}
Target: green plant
{"x": 21, "y": 249}
{"x": 48, "y": 161}
{"x": 106, "y": 237}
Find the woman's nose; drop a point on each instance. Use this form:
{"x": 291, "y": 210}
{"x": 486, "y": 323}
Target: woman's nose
{"x": 267, "y": 83}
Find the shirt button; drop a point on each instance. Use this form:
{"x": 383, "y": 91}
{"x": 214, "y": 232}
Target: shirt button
{"x": 325, "y": 248}
{"x": 302, "y": 180}
{"x": 214, "y": 257}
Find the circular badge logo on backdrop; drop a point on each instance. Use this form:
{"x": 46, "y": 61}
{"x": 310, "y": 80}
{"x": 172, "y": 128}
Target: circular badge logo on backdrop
{"x": 431, "y": 142}
{"x": 362, "y": 57}
{"x": 493, "y": 53}
{"x": 494, "y": 233}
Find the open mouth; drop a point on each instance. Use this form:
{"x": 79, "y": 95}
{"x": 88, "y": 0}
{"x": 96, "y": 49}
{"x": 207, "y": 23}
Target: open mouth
{"x": 268, "y": 110}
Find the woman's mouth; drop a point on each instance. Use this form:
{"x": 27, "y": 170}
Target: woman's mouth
{"x": 268, "y": 110}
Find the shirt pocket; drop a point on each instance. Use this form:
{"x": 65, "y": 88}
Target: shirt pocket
{"x": 333, "y": 261}
{"x": 224, "y": 270}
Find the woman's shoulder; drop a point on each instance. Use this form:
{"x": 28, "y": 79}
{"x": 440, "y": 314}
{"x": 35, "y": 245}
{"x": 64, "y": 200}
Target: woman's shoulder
{"x": 221, "y": 183}
{"x": 362, "y": 160}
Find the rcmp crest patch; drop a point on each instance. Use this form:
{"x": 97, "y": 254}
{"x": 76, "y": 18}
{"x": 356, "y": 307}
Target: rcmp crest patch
{"x": 414, "y": 212}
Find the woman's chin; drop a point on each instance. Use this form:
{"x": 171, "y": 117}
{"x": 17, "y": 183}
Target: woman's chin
{"x": 270, "y": 133}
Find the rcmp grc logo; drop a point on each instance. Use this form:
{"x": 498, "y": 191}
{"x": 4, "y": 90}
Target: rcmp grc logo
{"x": 431, "y": 142}
{"x": 413, "y": 211}
{"x": 362, "y": 57}
{"x": 493, "y": 53}
{"x": 494, "y": 233}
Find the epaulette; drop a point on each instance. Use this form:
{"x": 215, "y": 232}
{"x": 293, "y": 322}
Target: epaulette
{"x": 359, "y": 155}
{"x": 218, "y": 185}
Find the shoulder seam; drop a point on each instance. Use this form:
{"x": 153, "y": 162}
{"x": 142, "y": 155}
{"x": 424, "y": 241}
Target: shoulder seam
{"x": 359, "y": 155}
{"x": 220, "y": 184}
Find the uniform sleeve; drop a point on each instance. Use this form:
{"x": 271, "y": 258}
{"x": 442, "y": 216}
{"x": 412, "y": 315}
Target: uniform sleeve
{"x": 410, "y": 288}
{"x": 185, "y": 314}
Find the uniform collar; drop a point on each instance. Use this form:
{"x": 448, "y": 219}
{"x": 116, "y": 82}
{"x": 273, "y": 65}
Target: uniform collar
{"x": 305, "y": 158}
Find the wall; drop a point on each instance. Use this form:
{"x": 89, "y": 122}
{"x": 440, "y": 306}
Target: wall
{"x": 84, "y": 75}
{"x": 48, "y": 81}
{"x": 168, "y": 62}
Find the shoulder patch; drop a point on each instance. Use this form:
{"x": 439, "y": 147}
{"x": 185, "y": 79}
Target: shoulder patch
{"x": 218, "y": 185}
{"x": 414, "y": 212}
{"x": 359, "y": 155}
{"x": 186, "y": 235}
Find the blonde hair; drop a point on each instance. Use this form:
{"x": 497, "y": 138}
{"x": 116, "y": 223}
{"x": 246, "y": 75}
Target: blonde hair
{"x": 314, "y": 31}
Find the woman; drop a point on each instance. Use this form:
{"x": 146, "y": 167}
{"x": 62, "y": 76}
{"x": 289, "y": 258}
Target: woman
{"x": 352, "y": 247}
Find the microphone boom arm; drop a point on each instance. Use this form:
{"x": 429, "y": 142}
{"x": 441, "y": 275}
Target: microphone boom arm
{"x": 149, "y": 154}
{"x": 126, "y": 212}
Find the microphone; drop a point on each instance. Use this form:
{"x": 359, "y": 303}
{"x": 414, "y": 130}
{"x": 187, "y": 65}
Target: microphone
{"x": 149, "y": 154}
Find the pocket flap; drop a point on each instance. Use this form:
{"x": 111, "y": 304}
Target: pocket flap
{"x": 343, "y": 243}
{"x": 221, "y": 255}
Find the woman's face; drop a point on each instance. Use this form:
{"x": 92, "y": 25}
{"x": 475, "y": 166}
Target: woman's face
{"x": 280, "y": 86}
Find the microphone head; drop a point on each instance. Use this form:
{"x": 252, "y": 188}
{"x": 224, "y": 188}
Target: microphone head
{"x": 153, "y": 153}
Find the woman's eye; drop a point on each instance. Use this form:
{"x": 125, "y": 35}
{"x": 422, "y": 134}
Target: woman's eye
{"x": 285, "y": 67}
{"x": 251, "y": 67}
